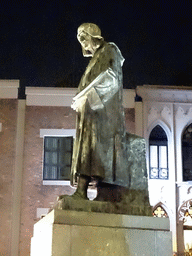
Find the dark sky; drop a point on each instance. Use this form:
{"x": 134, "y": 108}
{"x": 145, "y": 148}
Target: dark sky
{"x": 39, "y": 45}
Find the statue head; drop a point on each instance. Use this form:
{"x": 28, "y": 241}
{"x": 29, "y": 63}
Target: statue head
{"x": 89, "y": 36}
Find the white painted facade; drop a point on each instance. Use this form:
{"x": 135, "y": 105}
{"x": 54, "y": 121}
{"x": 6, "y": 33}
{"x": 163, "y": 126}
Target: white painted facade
{"x": 171, "y": 108}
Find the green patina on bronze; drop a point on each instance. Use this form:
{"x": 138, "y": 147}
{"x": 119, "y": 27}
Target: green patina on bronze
{"x": 102, "y": 149}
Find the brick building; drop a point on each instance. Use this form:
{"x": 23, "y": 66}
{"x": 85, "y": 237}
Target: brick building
{"x": 31, "y": 129}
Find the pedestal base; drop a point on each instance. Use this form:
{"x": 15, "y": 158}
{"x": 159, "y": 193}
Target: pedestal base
{"x": 72, "y": 233}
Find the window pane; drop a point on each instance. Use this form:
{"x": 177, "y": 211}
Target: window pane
{"x": 46, "y": 143}
{"x": 54, "y": 158}
{"x": 158, "y": 134}
{"x": 67, "y": 158}
{"x": 67, "y": 171}
{"x": 154, "y": 173}
{"x": 187, "y": 153}
{"x": 53, "y": 174}
{"x": 51, "y": 144}
{"x": 158, "y": 153}
{"x": 46, "y": 173}
{"x": 64, "y": 173}
{"x": 50, "y": 172}
{"x": 57, "y": 157}
{"x": 163, "y": 173}
{"x": 162, "y": 156}
{"x": 187, "y": 174}
{"x": 153, "y": 156}
{"x": 68, "y": 143}
{"x": 54, "y": 143}
{"x": 51, "y": 158}
{"x": 46, "y": 158}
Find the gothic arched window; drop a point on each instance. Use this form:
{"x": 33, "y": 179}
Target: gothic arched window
{"x": 158, "y": 154}
{"x": 187, "y": 153}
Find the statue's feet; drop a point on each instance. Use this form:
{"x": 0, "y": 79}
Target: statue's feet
{"x": 76, "y": 196}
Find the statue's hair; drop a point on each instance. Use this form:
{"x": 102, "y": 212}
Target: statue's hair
{"x": 90, "y": 28}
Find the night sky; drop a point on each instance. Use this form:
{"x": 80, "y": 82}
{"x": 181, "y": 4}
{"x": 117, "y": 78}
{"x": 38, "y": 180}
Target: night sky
{"x": 39, "y": 45}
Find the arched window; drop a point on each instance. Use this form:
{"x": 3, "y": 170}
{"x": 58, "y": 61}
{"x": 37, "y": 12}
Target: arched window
{"x": 187, "y": 153}
{"x": 158, "y": 154}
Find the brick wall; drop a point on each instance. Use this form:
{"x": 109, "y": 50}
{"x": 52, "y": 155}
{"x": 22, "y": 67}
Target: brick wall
{"x": 35, "y": 194}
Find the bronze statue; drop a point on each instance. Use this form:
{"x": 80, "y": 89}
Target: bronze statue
{"x": 100, "y": 146}
{"x": 103, "y": 151}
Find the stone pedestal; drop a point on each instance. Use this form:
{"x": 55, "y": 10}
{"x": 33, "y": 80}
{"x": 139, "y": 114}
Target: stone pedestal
{"x": 72, "y": 233}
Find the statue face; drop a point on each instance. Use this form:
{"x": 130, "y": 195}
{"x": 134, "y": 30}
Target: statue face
{"x": 87, "y": 44}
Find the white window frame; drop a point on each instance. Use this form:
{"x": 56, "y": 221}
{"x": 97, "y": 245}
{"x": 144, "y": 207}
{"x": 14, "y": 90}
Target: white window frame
{"x": 56, "y": 133}
{"x": 158, "y": 144}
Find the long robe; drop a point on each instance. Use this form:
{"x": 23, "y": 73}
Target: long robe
{"x": 100, "y": 145}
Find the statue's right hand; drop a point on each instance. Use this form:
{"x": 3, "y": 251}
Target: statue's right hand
{"x": 79, "y": 103}
{"x": 73, "y": 105}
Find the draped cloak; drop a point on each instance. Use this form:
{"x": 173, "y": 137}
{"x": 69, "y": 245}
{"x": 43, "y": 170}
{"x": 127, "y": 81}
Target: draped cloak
{"x": 100, "y": 145}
